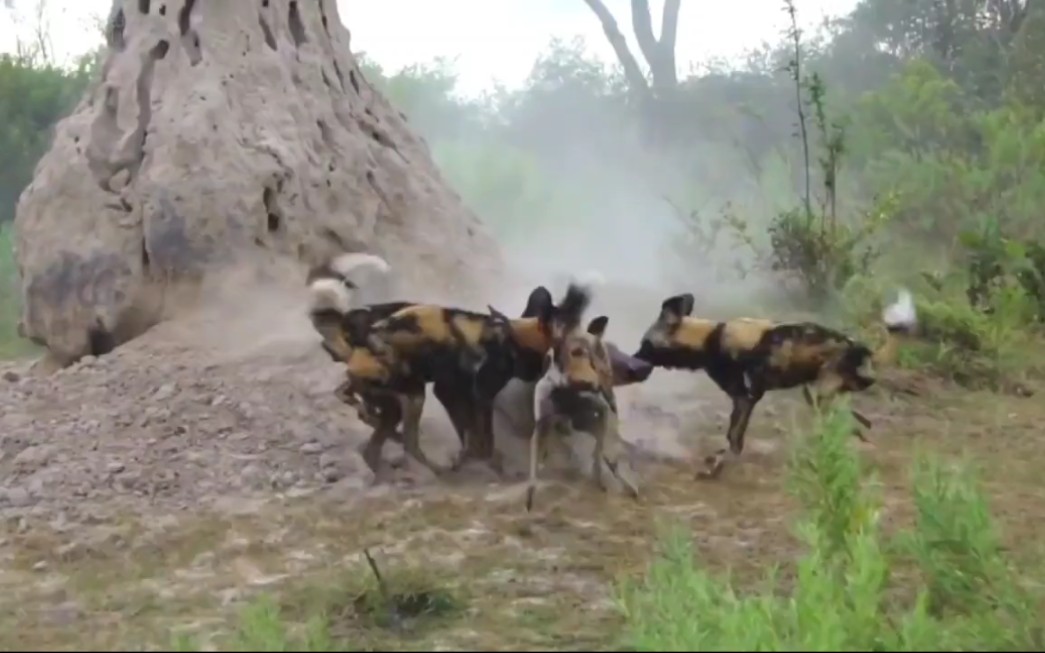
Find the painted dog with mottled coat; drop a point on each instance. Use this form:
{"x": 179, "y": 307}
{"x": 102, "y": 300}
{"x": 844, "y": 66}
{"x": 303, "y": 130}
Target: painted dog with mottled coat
{"x": 747, "y": 357}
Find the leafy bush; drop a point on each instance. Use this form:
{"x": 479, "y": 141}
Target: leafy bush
{"x": 813, "y": 242}
{"x": 33, "y": 98}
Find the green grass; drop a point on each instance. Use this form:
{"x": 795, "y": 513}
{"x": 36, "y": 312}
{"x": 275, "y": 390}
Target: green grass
{"x": 263, "y": 627}
{"x": 355, "y": 612}
{"x": 839, "y": 596}
{"x": 943, "y": 583}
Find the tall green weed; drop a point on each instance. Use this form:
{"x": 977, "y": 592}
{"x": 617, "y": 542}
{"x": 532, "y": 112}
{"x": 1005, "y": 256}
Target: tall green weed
{"x": 841, "y": 599}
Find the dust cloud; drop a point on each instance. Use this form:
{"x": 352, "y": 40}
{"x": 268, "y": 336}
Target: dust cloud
{"x": 598, "y": 194}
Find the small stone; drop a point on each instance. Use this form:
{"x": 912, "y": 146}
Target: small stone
{"x": 116, "y": 467}
{"x": 312, "y": 447}
{"x": 41, "y": 565}
{"x": 16, "y": 496}
{"x": 328, "y": 460}
{"x": 252, "y": 476}
{"x": 332, "y": 474}
{"x": 11, "y": 376}
{"x": 164, "y": 392}
{"x": 33, "y": 455}
{"x": 63, "y": 614}
{"x": 351, "y": 485}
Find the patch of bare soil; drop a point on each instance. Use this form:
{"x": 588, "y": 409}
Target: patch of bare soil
{"x": 156, "y": 489}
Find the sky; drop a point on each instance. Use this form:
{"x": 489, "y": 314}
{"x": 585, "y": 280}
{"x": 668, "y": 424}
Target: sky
{"x": 492, "y": 40}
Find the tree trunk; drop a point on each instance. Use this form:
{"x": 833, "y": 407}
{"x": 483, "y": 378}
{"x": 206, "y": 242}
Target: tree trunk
{"x": 656, "y": 101}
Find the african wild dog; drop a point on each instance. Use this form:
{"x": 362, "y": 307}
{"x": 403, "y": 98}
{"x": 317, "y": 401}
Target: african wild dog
{"x": 748, "y": 357}
{"x": 576, "y": 391}
{"x": 394, "y": 350}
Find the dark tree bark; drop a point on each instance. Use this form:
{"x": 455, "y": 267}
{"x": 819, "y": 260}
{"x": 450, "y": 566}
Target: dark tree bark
{"x": 637, "y": 83}
{"x": 659, "y": 54}
{"x": 654, "y": 99}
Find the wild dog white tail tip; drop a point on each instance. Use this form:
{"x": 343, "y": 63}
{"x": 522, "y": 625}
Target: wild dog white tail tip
{"x": 328, "y": 294}
{"x": 345, "y": 264}
{"x": 901, "y": 313}
{"x": 335, "y": 294}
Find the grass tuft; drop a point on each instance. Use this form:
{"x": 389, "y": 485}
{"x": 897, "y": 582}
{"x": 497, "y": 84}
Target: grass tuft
{"x": 839, "y": 598}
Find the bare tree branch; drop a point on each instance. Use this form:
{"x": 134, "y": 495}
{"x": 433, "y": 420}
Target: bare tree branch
{"x": 669, "y": 27}
{"x": 636, "y": 79}
{"x": 642, "y": 25}
{"x": 43, "y": 34}
{"x": 659, "y": 54}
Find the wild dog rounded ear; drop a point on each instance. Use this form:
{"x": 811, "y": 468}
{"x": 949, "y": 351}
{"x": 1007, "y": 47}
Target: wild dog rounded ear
{"x": 542, "y": 307}
{"x": 539, "y": 303}
{"x": 597, "y": 326}
{"x": 678, "y": 306}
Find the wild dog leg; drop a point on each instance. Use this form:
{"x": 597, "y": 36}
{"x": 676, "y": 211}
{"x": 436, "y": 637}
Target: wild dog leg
{"x": 458, "y": 410}
{"x": 610, "y": 436}
{"x": 386, "y": 414}
{"x": 477, "y": 411}
{"x": 481, "y": 443}
{"x": 456, "y": 391}
{"x": 597, "y": 455}
{"x": 486, "y": 383}
{"x": 383, "y": 414}
{"x": 375, "y": 406}
{"x": 827, "y": 390}
{"x": 412, "y": 404}
{"x": 537, "y": 448}
{"x": 743, "y": 405}
{"x": 346, "y": 393}
{"x": 602, "y": 412}
{"x": 370, "y": 411}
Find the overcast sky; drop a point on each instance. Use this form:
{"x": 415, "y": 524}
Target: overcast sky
{"x": 491, "y": 39}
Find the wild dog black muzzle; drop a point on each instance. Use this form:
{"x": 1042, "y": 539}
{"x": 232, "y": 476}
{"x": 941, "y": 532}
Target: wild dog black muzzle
{"x": 584, "y": 406}
{"x": 627, "y": 369}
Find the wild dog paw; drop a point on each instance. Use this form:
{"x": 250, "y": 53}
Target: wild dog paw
{"x": 459, "y": 459}
{"x": 713, "y": 466}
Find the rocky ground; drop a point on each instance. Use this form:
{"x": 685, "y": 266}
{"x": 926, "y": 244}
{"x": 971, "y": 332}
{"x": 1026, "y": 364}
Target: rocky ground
{"x": 154, "y": 490}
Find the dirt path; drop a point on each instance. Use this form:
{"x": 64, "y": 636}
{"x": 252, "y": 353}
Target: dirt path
{"x": 158, "y": 488}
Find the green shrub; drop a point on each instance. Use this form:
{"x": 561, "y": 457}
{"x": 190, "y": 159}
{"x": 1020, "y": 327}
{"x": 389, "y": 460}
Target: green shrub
{"x": 995, "y": 350}
{"x": 816, "y": 243}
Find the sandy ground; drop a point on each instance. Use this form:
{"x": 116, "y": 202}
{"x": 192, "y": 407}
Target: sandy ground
{"x": 156, "y": 489}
